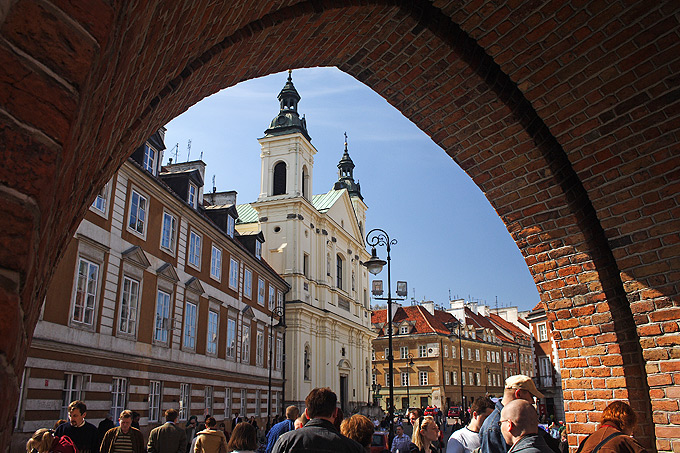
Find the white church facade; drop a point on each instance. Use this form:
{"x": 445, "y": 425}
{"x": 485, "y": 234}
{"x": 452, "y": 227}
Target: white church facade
{"x": 316, "y": 243}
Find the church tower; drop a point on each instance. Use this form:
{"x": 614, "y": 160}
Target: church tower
{"x": 315, "y": 242}
{"x": 287, "y": 153}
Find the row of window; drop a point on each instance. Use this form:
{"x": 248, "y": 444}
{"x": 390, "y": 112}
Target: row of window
{"x": 84, "y": 308}
{"x": 450, "y": 377}
{"x": 75, "y": 386}
{"x": 491, "y": 356}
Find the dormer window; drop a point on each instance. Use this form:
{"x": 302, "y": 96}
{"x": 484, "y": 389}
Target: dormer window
{"x": 258, "y": 249}
{"x": 403, "y": 330}
{"x": 150, "y": 159}
{"x": 193, "y": 192}
{"x": 230, "y": 226}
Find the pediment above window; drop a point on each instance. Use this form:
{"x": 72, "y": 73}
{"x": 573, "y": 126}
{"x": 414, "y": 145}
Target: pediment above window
{"x": 167, "y": 272}
{"x": 136, "y": 256}
{"x": 193, "y": 284}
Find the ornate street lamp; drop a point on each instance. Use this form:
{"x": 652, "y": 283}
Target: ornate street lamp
{"x": 281, "y": 328}
{"x": 378, "y": 237}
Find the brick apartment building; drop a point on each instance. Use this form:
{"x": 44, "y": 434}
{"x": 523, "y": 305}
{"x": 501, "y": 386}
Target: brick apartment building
{"x": 156, "y": 303}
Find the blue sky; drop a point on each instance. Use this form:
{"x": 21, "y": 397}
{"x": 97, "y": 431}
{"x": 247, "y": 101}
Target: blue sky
{"x": 449, "y": 237}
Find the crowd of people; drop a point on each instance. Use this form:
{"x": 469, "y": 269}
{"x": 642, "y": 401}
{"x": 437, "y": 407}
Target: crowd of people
{"x": 510, "y": 425}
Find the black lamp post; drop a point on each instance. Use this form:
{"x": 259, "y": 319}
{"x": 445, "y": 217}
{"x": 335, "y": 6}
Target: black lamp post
{"x": 408, "y": 380}
{"x": 376, "y": 391}
{"x": 379, "y": 237}
{"x": 280, "y": 327}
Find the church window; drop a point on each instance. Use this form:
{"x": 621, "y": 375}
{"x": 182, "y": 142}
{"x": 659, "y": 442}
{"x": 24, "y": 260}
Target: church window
{"x": 279, "y": 179}
{"x": 305, "y": 182}
{"x": 339, "y": 272}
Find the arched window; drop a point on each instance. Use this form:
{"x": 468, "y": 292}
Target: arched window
{"x": 307, "y": 363}
{"x": 338, "y": 271}
{"x": 305, "y": 182}
{"x": 279, "y": 179}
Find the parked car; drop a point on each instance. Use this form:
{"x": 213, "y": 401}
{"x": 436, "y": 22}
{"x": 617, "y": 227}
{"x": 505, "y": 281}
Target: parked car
{"x": 429, "y": 410}
{"x": 379, "y": 443}
{"x": 455, "y": 411}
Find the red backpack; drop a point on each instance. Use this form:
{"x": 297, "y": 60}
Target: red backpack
{"x": 63, "y": 444}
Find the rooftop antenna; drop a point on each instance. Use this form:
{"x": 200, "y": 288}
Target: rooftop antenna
{"x": 496, "y": 303}
{"x": 201, "y": 158}
{"x": 449, "y": 293}
{"x": 214, "y": 188}
{"x": 174, "y": 148}
{"x": 188, "y": 150}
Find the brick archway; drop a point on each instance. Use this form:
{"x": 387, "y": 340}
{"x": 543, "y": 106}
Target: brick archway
{"x": 566, "y": 117}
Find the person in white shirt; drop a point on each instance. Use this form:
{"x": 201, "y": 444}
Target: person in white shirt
{"x": 465, "y": 440}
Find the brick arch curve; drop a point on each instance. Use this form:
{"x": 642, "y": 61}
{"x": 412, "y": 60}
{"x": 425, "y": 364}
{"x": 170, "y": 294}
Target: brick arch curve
{"x": 550, "y": 145}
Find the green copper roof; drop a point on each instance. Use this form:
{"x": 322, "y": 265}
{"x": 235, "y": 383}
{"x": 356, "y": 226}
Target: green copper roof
{"x": 246, "y": 213}
{"x": 324, "y": 201}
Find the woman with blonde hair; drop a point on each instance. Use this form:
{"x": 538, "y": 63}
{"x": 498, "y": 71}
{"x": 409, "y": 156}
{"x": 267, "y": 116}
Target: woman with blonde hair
{"x": 44, "y": 441}
{"x": 425, "y": 432}
{"x": 614, "y": 433}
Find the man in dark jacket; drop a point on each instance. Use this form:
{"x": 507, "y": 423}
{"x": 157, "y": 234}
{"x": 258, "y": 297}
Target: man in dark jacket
{"x": 83, "y": 433}
{"x": 319, "y": 434}
{"x": 168, "y": 438}
{"x": 519, "y": 426}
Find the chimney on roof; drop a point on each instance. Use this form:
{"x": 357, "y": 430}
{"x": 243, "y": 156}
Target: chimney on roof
{"x": 428, "y": 305}
{"x": 457, "y": 309}
{"x": 483, "y": 310}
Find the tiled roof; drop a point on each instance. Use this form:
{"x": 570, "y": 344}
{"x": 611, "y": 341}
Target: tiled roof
{"x": 246, "y": 213}
{"x": 425, "y": 322}
{"x": 524, "y": 323}
{"x": 507, "y": 325}
{"x": 323, "y": 202}
{"x": 483, "y": 322}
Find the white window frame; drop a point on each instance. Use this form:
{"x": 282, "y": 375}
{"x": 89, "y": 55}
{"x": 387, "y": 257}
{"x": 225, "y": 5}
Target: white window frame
{"x": 453, "y": 352}
{"x": 387, "y": 353}
{"x": 161, "y": 334}
{"x": 139, "y": 217}
{"x": 488, "y": 356}
{"x": 422, "y": 351}
{"x": 190, "y": 318}
{"x": 233, "y": 274}
{"x": 405, "y": 379}
{"x": 403, "y": 352}
{"x": 184, "y": 401}
{"x": 74, "y": 389}
{"x": 227, "y": 403}
{"x": 244, "y": 402}
{"x": 279, "y": 298}
{"x": 260, "y": 291}
{"x": 213, "y": 329}
{"x": 422, "y": 378}
{"x": 231, "y": 338}
{"x": 216, "y": 263}
{"x": 454, "y": 377}
{"x": 100, "y": 205}
{"x": 208, "y": 399}
{"x": 373, "y": 355}
{"x": 248, "y": 283}
{"x": 447, "y": 378}
{"x": 272, "y": 297}
{"x": 86, "y": 290}
{"x": 259, "y": 348}
{"x": 279, "y": 354}
{"x": 194, "y": 249}
{"x": 477, "y": 355}
{"x": 542, "y": 332}
{"x": 129, "y": 305}
{"x": 463, "y": 380}
{"x": 192, "y": 195}
{"x": 119, "y": 395}
{"x": 403, "y": 330}
{"x": 258, "y": 249}
{"x": 149, "y": 160}
{"x": 154, "y": 401}
{"x": 169, "y": 234}
{"x": 231, "y": 224}
{"x": 245, "y": 343}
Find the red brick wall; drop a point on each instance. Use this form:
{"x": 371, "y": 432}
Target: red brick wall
{"x": 564, "y": 113}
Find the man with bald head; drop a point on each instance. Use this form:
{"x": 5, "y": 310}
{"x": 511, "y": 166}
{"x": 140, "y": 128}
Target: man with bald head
{"x": 518, "y": 387}
{"x": 519, "y": 426}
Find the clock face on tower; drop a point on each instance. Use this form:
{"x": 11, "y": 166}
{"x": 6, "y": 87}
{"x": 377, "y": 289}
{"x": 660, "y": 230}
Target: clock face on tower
{"x": 281, "y": 120}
